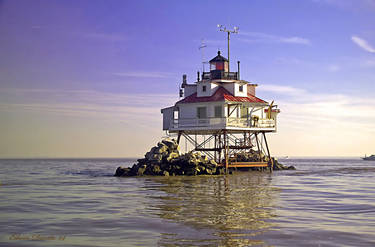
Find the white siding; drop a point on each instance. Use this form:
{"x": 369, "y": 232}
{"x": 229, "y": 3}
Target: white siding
{"x": 229, "y": 87}
{"x": 237, "y": 92}
{"x": 234, "y": 89}
{"x": 214, "y": 87}
{"x": 211, "y": 110}
{"x": 189, "y": 90}
{"x": 258, "y": 113}
{"x": 200, "y": 91}
{"x": 210, "y": 89}
{"x": 251, "y": 89}
{"x": 167, "y": 117}
{"x": 190, "y": 110}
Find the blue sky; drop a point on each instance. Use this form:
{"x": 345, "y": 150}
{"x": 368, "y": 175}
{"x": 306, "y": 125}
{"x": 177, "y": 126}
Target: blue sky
{"x": 87, "y": 78}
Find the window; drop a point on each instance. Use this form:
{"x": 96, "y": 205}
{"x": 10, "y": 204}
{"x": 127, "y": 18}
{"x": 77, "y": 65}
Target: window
{"x": 244, "y": 111}
{"x": 218, "y": 111}
{"x": 175, "y": 114}
{"x": 203, "y": 88}
{"x": 220, "y": 65}
{"x": 241, "y": 88}
{"x": 201, "y": 112}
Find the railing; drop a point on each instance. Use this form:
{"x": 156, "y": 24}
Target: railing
{"x": 238, "y": 122}
{"x": 197, "y": 122}
{"x": 217, "y": 74}
{"x": 221, "y": 123}
{"x": 266, "y": 123}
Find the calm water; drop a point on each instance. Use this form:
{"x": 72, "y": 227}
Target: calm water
{"x": 327, "y": 202}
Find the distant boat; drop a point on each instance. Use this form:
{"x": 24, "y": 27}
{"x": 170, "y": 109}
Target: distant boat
{"x": 372, "y": 157}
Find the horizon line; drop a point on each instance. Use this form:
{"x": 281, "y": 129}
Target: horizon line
{"x": 135, "y": 158}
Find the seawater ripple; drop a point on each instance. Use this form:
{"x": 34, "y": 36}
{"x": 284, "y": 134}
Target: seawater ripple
{"x": 77, "y": 202}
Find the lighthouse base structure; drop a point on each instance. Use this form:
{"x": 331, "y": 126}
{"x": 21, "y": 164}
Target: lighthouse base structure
{"x": 225, "y": 146}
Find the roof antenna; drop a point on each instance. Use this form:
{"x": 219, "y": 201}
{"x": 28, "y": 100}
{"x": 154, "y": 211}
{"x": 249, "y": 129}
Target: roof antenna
{"x": 203, "y": 45}
{"x": 224, "y": 29}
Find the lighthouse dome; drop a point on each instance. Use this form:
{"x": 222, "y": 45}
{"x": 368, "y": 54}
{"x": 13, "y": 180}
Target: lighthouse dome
{"x": 219, "y": 63}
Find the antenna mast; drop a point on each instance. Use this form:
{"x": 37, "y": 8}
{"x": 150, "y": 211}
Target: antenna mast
{"x": 224, "y": 29}
{"x": 203, "y": 45}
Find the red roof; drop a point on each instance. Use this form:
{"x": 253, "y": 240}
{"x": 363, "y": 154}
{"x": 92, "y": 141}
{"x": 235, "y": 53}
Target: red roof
{"x": 221, "y": 94}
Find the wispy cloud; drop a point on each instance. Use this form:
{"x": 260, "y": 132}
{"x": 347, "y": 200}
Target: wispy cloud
{"x": 322, "y": 123}
{"x": 268, "y": 38}
{"x": 369, "y": 63}
{"x": 280, "y": 89}
{"x": 295, "y": 40}
{"x": 105, "y": 36}
{"x": 329, "y": 106}
{"x": 352, "y": 5}
{"x": 214, "y": 42}
{"x": 144, "y": 74}
{"x": 363, "y": 44}
{"x": 141, "y": 108}
{"x": 334, "y": 68}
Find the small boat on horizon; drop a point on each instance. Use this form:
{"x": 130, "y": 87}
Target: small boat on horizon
{"x": 371, "y": 157}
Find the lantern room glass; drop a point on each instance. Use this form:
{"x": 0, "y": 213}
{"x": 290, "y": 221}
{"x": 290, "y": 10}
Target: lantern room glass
{"x": 213, "y": 66}
{"x": 219, "y": 66}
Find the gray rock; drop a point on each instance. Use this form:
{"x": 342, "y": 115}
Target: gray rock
{"x": 212, "y": 162}
{"x": 141, "y": 170}
{"x": 155, "y": 170}
{"x": 142, "y": 161}
{"x": 156, "y": 158}
{"x": 161, "y": 148}
{"x": 191, "y": 172}
{"x": 220, "y": 171}
{"x": 121, "y": 172}
{"x": 172, "y": 156}
{"x": 169, "y": 142}
{"x": 209, "y": 171}
{"x": 148, "y": 155}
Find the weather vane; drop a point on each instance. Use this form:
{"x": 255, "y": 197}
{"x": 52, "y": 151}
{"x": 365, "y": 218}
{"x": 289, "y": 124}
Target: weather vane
{"x": 224, "y": 29}
{"x": 203, "y": 45}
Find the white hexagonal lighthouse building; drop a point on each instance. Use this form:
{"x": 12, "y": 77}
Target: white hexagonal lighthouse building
{"x": 220, "y": 115}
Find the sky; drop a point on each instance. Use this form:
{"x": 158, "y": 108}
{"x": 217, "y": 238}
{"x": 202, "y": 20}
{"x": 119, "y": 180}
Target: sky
{"x": 88, "y": 78}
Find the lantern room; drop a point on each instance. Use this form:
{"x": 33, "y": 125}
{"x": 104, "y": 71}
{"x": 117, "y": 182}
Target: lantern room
{"x": 219, "y": 63}
{"x": 219, "y": 69}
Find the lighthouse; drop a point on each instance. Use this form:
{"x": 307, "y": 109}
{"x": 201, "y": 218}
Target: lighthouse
{"x": 221, "y": 116}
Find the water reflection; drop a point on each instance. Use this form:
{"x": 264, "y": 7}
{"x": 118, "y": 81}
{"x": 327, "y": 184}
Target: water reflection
{"x": 227, "y": 210}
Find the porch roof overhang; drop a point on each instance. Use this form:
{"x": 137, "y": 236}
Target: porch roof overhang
{"x": 168, "y": 108}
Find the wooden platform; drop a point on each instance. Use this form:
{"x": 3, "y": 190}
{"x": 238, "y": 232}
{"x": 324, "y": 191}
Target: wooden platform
{"x": 248, "y": 164}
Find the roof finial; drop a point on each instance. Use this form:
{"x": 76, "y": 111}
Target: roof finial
{"x": 218, "y": 52}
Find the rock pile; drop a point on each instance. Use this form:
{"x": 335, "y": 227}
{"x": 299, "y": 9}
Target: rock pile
{"x": 279, "y": 166}
{"x": 253, "y": 156}
{"x": 165, "y": 159}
